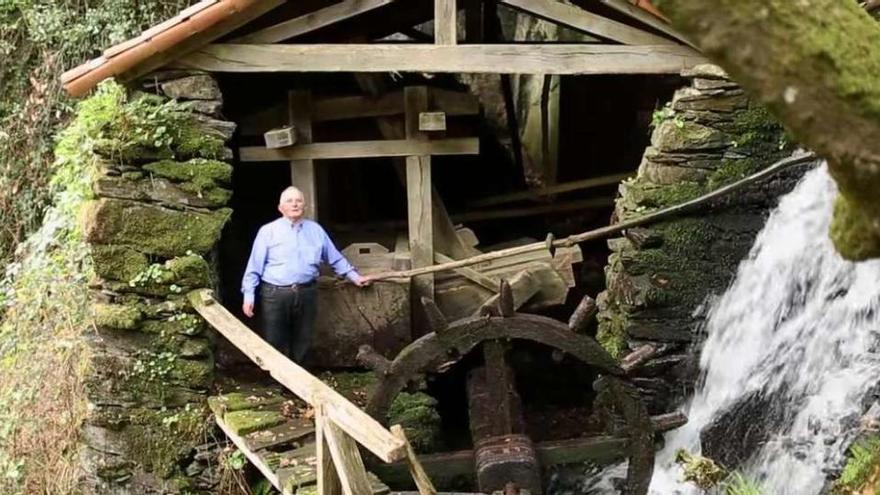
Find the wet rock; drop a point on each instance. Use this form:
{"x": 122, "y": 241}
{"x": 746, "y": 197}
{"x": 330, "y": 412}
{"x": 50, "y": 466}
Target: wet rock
{"x": 744, "y": 427}
{"x": 212, "y": 108}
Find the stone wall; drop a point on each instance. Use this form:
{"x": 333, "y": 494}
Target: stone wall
{"x": 153, "y": 226}
{"x": 658, "y": 278}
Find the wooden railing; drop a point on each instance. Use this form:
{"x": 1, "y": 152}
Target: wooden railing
{"x": 339, "y": 425}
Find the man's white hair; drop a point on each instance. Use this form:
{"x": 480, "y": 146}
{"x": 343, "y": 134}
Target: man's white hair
{"x": 290, "y": 191}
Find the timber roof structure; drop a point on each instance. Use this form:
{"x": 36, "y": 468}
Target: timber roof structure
{"x": 186, "y": 41}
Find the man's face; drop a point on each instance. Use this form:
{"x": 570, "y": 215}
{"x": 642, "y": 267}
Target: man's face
{"x": 292, "y": 206}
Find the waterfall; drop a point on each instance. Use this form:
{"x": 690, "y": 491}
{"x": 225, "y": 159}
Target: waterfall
{"x": 798, "y": 328}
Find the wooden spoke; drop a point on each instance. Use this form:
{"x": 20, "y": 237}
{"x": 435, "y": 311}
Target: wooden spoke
{"x": 433, "y": 316}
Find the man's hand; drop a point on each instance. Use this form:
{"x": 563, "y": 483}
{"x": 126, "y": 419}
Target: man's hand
{"x": 362, "y": 281}
{"x": 248, "y": 309}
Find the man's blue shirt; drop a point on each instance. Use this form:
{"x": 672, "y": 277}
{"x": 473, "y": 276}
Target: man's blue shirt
{"x": 286, "y": 253}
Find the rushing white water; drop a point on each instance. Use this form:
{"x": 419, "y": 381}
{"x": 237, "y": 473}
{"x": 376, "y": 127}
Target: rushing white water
{"x": 800, "y": 325}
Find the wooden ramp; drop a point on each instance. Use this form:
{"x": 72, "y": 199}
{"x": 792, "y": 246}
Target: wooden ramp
{"x": 298, "y": 455}
{"x": 283, "y": 448}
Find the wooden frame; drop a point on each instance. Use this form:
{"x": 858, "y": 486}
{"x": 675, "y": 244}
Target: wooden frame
{"x": 361, "y": 149}
{"x": 501, "y": 58}
{"x": 586, "y": 22}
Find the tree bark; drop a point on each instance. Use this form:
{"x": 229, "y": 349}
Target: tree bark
{"x": 815, "y": 65}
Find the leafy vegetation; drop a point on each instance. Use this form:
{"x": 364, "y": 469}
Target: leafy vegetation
{"x": 39, "y": 39}
{"x": 862, "y": 470}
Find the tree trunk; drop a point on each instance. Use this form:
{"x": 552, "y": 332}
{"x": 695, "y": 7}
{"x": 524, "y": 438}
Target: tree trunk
{"x": 815, "y": 65}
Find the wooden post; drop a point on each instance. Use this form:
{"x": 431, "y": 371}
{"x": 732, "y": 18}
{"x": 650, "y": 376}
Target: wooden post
{"x": 328, "y": 480}
{"x": 419, "y": 195}
{"x": 423, "y": 482}
{"x": 445, "y": 20}
{"x": 347, "y": 458}
{"x": 302, "y": 172}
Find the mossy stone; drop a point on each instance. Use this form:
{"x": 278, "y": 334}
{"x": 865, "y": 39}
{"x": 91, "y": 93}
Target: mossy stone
{"x": 679, "y": 135}
{"x": 248, "y": 421}
{"x": 855, "y": 234}
{"x": 117, "y": 316}
{"x": 117, "y": 262}
{"x": 153, "y": 229}
{"x": 185, "y": 324}
{"x": 240, "y": 401}
{"x": 190, "y": 271}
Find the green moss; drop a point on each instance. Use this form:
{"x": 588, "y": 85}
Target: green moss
{"x": 699, "y": 470}
{"x": 198, "y": 176}
{"x": 354, "y": 386}
{"x": 612, "y": 336}
{"x": 152, "y": 229}
{"x": 179, "y": 324}
{"x": 248, "y": 421}
{"x": 853, "y": 232}
{"x": 417, "y": 414}
{"x": 117, "y": 262}
{"x": 193, "y": 141}
{"x": 238, "y": 401}
{"x": 162, "y": 439}
{"x": 116, "y": 316}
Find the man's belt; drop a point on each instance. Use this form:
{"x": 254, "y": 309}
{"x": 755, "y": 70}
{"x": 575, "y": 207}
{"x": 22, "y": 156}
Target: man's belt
{"x": 290, "y": 286}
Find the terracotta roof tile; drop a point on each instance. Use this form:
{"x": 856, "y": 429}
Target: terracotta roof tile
{"x": 122, "y": 57}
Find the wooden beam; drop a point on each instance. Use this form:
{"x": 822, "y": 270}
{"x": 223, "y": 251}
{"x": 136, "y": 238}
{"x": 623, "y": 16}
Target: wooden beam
{"x": 361, "y": 149}
{"x": 447, "y": 465}
{"x": 583, "y": 204}
{"x": 312, "y": 21}
{"x": 347, "y": 459}
{"x": 633, "y": 12}
{"x": 355, "y": 422}
{"x": 445, "y": 238}
{"x": 418, "y": 195}
{"x": 478, "y": 278}
{"x": 587, "y": 22}
{"x": 445, "y": 20}
{"x": 453, "y": 103}
{"x": 577, "y": 185}
{"x": 504, "y": 59}
{"x": 302, "y": 171}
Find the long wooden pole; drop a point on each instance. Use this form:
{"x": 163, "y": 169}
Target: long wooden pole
{"x": 605, "y": 231}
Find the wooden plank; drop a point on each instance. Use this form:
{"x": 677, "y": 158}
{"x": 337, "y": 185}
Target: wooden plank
{"x": 581, "y": 20}
{"x": 312, "y": 21}
{"x": 470, "y": 274}
{"x": 285, "y": 433}
{"x": 423, "y": 482}
{"x": 328, "y": 480}
{"x": 445, "y": 20}
{"x": 363, "y": 428}
{"x": 501, "y": 58}
{"x": 361, "y": 149}
{"x": 347, "y": 459}
{"x": 418, "y": 195}
{"x": 634, "y": 12}
{"x": 577, "y": 185}
{"x": 199, "y": 39}
{"x": 453, "y": 103}
{"x": 302, "y": 172}
{"x": 256, "y": 460}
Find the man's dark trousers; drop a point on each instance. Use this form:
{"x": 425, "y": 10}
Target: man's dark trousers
{"x": 289, "y": 317}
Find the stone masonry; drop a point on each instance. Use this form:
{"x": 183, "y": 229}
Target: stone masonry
{"x": 153, "y": 227}
{"x": 659, "y": 278}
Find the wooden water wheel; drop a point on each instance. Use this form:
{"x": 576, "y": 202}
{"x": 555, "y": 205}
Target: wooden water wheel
{"x": 503, "y": 453}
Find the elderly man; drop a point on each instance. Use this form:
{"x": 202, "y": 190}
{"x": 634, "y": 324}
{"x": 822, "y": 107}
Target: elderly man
{"x": 284, "y": 264}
